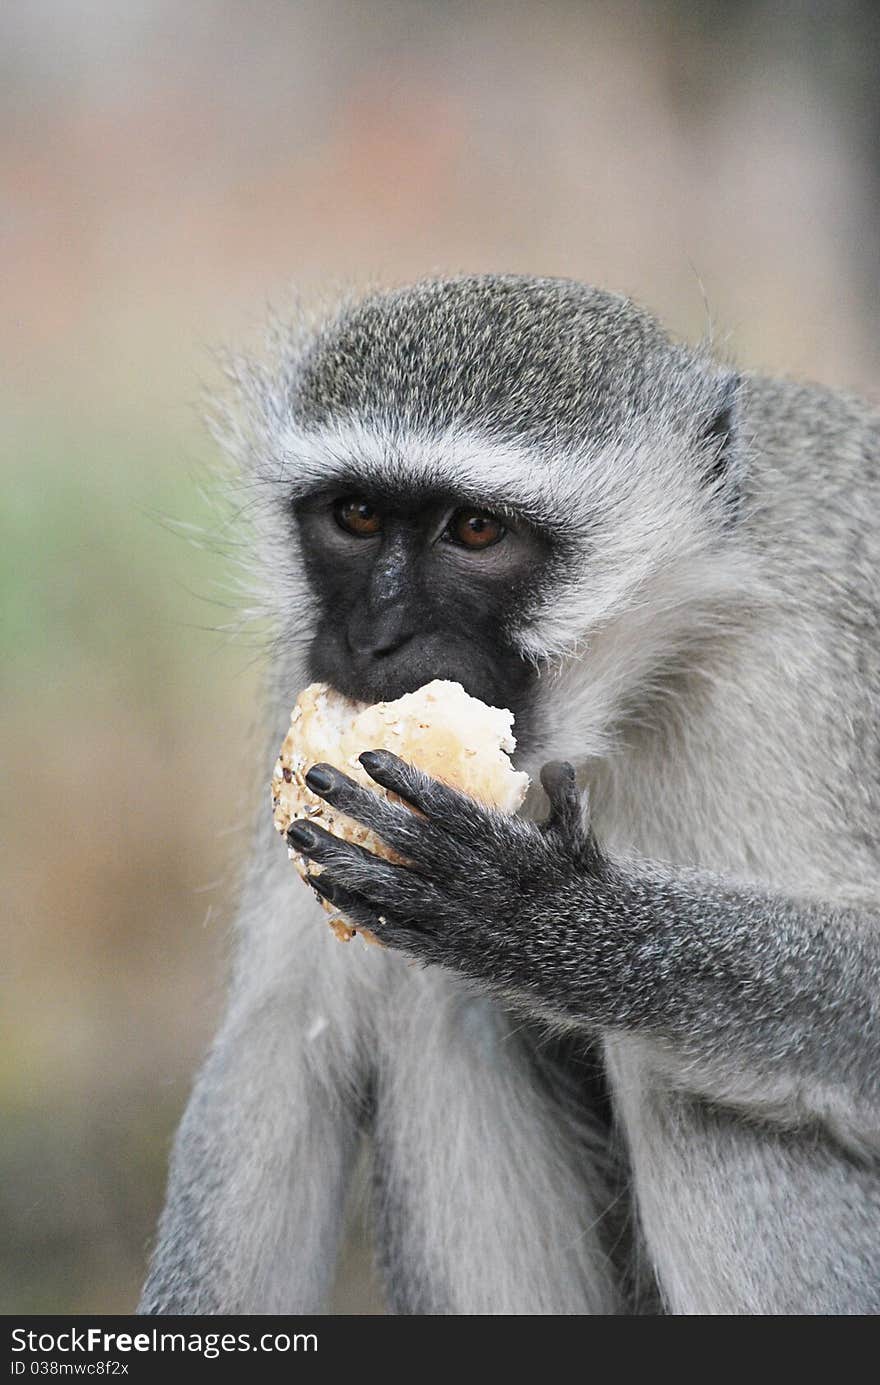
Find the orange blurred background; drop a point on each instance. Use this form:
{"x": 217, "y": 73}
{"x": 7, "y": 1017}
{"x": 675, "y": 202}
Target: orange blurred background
{"x": 166, "y": 171}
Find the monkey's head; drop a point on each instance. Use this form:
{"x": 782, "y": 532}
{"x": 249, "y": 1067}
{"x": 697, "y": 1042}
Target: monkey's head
{"x": 518, "y": 484}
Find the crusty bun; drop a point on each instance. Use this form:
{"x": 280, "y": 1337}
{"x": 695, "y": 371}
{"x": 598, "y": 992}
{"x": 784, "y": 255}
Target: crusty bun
{"x": 439, "y": 728}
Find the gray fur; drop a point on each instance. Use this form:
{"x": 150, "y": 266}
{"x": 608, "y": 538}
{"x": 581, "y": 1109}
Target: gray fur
{"x": 707, "y": 655}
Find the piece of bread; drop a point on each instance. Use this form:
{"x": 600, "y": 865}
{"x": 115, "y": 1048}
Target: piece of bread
{"x": 439, "y": 728}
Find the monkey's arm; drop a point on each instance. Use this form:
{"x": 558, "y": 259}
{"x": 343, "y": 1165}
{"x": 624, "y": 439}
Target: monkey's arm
{"x": 260, "y": 1165}
{"x": 750, "y": 997}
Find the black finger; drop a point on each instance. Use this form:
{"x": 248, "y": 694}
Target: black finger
{"x": 445, "y": 807}
{"x": 560, "y": 785}
{"x": 325, "y": 849}
{"x": 410, "y": 930}
{"x": 354, "y": 868}
{"x": 398, "y": 827}
{"x": 385, "y": 926}
{"x": 353, "y": 907}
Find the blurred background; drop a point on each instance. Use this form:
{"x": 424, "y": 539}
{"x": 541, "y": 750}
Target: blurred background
{"x": 168, "y": 170}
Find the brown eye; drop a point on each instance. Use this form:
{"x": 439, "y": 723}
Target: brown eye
{"x": 357, "y": 516}
{"x": 474, "y": 529}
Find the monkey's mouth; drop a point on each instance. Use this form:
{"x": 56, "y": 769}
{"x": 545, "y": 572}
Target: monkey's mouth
{"x": 367, "y": 695}
{"x": 499, "y": 679}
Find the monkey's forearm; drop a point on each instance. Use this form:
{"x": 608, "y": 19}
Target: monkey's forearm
{"x": 740, "y": 989}
{"x": 730, "y": 977}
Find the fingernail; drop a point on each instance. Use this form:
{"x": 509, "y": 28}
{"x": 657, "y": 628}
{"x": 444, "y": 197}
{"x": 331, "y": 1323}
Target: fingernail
{"x": 319, "y": 780}
{"x": 301, "y": 836}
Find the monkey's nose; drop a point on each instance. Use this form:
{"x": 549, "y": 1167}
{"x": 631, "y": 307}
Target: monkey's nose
{"x": 377, "y": 638}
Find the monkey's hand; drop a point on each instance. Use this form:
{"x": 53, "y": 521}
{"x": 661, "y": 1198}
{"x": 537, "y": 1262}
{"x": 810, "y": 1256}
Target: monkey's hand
{"x": 732, "y": 977}
{"x": 480, "y": 886}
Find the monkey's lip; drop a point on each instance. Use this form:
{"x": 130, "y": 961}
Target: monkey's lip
{"x": 388, "y": 685}
{"x": 358, "y": 704}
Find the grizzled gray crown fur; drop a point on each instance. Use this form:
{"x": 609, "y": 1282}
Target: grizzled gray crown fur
{"x": 541, "y": 360}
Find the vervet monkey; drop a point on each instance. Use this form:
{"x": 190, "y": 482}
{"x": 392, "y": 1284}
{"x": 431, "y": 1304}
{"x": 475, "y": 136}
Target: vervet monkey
{"x": 638, "y": 1068}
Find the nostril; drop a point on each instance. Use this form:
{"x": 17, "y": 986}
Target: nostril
{"x": 381, "y": 651}
{"x": 376, "y": 644}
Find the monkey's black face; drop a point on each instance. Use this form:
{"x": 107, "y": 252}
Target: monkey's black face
{"x": 416, "y": 589}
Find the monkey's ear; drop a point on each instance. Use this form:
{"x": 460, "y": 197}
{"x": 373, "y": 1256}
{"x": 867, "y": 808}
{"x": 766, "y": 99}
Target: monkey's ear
{"x": 720, "y": 442}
